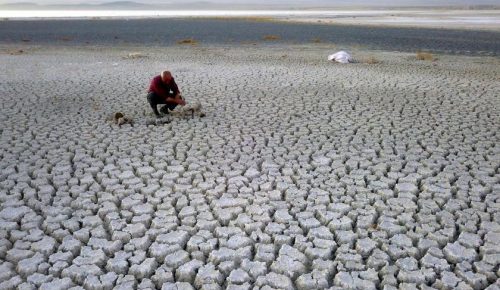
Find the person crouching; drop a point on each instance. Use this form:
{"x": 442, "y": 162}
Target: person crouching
{"x": 164, "y": 90}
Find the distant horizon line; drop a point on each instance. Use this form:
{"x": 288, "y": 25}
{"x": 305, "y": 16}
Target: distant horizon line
{"x": 209, "y": 4}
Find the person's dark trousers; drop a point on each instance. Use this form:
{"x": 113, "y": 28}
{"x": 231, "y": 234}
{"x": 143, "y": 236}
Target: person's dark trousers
{"x": 155, "y": 100}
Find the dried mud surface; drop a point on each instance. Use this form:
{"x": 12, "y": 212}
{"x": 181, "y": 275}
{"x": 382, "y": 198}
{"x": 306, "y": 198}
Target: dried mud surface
{"x": 304, "y": 174}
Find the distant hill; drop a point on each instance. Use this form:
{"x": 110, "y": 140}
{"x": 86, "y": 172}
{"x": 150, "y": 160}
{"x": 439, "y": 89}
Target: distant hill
{"x": 19, "y": 4}
{"x": 253, "y": 4}
{"x": 127, "y": 5}
{"x": 123, "y": 4}
{"x": 106, "y": 5}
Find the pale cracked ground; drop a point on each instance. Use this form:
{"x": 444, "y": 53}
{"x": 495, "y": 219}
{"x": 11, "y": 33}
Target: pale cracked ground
{"x": 303, "y": 175}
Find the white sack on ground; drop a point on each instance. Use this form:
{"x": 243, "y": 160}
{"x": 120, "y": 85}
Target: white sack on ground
{"x": 341, "y": 56}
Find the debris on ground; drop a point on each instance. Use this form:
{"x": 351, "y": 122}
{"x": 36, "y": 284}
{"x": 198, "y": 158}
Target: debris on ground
{"x": 190, "y": 110}
{"x": 341, "y": 57}
{"x": 135, "y": 55}
{"x": 120, "y": 119}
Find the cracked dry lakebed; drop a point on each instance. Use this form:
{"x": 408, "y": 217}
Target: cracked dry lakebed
{"x": 304, "y": 174}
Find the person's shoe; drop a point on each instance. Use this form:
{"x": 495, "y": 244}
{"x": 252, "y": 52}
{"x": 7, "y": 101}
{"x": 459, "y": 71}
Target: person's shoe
{"x": 164, "y": 109}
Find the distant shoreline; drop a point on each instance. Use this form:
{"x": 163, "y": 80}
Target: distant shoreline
{"x": 430, "y": 18}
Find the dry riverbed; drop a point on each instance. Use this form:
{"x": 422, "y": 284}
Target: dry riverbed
{"x": 303, "y": 174}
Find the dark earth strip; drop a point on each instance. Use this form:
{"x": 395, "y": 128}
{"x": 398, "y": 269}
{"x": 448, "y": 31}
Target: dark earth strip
{"x": 166, "y": 32}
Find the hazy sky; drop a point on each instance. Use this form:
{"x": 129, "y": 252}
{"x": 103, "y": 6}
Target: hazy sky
{"x": 282, "y": 2}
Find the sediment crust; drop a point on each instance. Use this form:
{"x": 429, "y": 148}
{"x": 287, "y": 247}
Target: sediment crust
{"x": 304, "y": 174}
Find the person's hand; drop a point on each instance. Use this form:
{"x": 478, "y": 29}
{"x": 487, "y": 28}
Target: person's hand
{"x": 180, "y": 100}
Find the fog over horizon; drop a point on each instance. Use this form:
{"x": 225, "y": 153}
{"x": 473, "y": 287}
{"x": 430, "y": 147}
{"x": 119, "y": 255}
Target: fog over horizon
{"x": 302, "y": 3}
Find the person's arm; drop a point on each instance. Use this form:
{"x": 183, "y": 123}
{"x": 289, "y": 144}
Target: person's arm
{"x": 175, "y": 88}
{"x": 177, "y": 98}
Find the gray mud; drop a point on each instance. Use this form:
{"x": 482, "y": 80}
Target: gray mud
{"x": 303, "y": 175}
{"x": 166, "y": 32}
